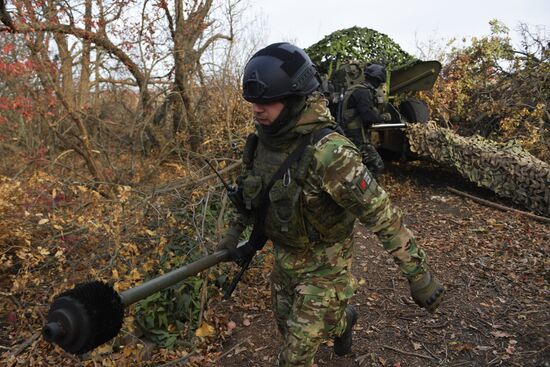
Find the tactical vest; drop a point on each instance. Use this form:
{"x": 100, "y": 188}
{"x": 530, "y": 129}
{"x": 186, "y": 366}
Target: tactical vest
{"x": 351, "y": 119}
{"x": 299, "y": 216}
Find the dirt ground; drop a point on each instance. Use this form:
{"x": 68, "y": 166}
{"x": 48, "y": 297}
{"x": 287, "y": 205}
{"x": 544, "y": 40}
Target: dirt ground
{"x": 495, "y": 266}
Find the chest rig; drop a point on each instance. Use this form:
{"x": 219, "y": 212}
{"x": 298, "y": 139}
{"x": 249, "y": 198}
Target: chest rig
{"x": 351, "y": 115}
{"x": 286, "y": 221}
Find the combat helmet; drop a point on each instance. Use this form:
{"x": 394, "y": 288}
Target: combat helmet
{"x": 375, "y": 73}
{"x": 278, "y": 71}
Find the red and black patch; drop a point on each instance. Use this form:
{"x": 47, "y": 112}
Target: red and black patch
{"x": 364, "y": 182}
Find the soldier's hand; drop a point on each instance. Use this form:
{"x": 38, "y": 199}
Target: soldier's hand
{"x": 386, "y": 116}
{"x": 228, "y": 242}
{"x": 238, "y": 254}
{"x": 427, "y": 291}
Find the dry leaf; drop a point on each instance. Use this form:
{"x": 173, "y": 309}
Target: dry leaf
{"x": 104, "y": 349}
{"x": 500, "y": 334}
{"x": 239, "y": 350}
{"x": 43, "y": 251}
{"x": 205, "y": 330}
{"x": 462, "y": 347}
{"x": 134, "y": 274}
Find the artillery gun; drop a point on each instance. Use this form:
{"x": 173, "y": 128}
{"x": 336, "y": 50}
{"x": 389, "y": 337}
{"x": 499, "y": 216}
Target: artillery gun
{"x": 394, "y": 97}
{"x": 504, "y": 168}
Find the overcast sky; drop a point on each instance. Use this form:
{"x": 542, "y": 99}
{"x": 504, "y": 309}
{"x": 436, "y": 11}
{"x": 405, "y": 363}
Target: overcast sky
{"x": 305, "y": 22}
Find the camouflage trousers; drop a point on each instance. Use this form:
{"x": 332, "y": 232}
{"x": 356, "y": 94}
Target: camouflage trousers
{"x": 309, "y": 294}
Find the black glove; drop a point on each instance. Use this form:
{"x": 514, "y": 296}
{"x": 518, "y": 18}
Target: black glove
{"x": 239, "y": 254}
{"x": 386, "y": 117}
{"x": 427, "y": 291}
{"x": 243, "y": 253}
{"x": 228, "y": 242}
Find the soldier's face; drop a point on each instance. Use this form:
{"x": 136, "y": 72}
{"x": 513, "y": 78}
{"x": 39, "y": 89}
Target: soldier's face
{"x": 265, "y": 114}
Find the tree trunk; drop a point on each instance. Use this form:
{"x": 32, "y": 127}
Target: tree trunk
{"x": 84, "y": 87}
{"x": 65, "y": 58}
{"x": 181, "y": 101}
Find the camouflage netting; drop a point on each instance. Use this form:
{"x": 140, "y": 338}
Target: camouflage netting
{"x": 506, "y": 169}
{"x": 358, "y": 44}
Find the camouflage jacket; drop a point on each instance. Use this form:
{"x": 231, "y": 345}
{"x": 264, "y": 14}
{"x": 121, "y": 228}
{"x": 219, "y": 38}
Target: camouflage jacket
{"x": 317, "y": 201}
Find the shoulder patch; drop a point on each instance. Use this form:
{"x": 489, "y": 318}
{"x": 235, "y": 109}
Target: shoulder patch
{"x": 365, "y": 181}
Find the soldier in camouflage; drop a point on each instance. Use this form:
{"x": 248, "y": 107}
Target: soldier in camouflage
{"x": 313, "y": 207}
{"x": 360, "y": 112}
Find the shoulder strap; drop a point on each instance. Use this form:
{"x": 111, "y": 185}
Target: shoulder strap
{"x": 345, "y": 102}
{"x": 249, "y": 149}
{"x": 319, "y": 134}
{"x": 311, "y": 138}
{"x": 257, "y": 236}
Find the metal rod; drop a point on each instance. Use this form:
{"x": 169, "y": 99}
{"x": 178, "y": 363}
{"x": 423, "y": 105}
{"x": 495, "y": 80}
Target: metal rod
{"x": 399, "y": 125}
{"x": 144, "y": 290}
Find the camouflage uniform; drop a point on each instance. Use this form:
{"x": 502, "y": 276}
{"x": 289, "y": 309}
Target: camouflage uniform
{"x": 310, "y": 222}
{"x": 359, "y": 112}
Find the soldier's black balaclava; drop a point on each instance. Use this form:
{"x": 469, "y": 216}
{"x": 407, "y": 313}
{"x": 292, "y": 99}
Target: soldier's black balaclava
{"x": 373, "y": 81}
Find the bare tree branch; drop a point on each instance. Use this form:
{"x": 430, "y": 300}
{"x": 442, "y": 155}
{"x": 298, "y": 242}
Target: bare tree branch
{"x": 211, "y": 40}
{"x": 99, "y": 40}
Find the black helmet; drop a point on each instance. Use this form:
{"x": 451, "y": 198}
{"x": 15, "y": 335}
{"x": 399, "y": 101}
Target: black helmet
{"x": 278, "y": 71}
{"x": 375, "y": 72}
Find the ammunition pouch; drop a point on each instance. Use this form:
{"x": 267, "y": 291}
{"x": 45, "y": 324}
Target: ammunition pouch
{"x": 284, "y": 198}
{"x": 252, "y": 191}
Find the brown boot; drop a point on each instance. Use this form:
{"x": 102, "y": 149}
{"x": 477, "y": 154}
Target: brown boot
{"x": 427, "y": 291}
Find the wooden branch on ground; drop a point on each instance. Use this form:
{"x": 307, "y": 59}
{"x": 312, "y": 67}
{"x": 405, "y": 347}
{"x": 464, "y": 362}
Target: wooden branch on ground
{"x": 174, "y": 185}
{"x": 408, "y": 353}
{"x": 176, "y": 362}
{"x": 233, "y": 348}
{"x": 498, "y": 206}
{"x": 25, "y": 344}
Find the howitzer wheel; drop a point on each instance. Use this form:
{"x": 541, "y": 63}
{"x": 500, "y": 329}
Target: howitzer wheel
{"x": 84, "y": 317}
{"x": 68, "y": 324}
{"x": 414, "y": 110}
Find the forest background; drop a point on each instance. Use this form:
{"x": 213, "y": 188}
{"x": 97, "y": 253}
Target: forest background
{"x": 108, "y": 110}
